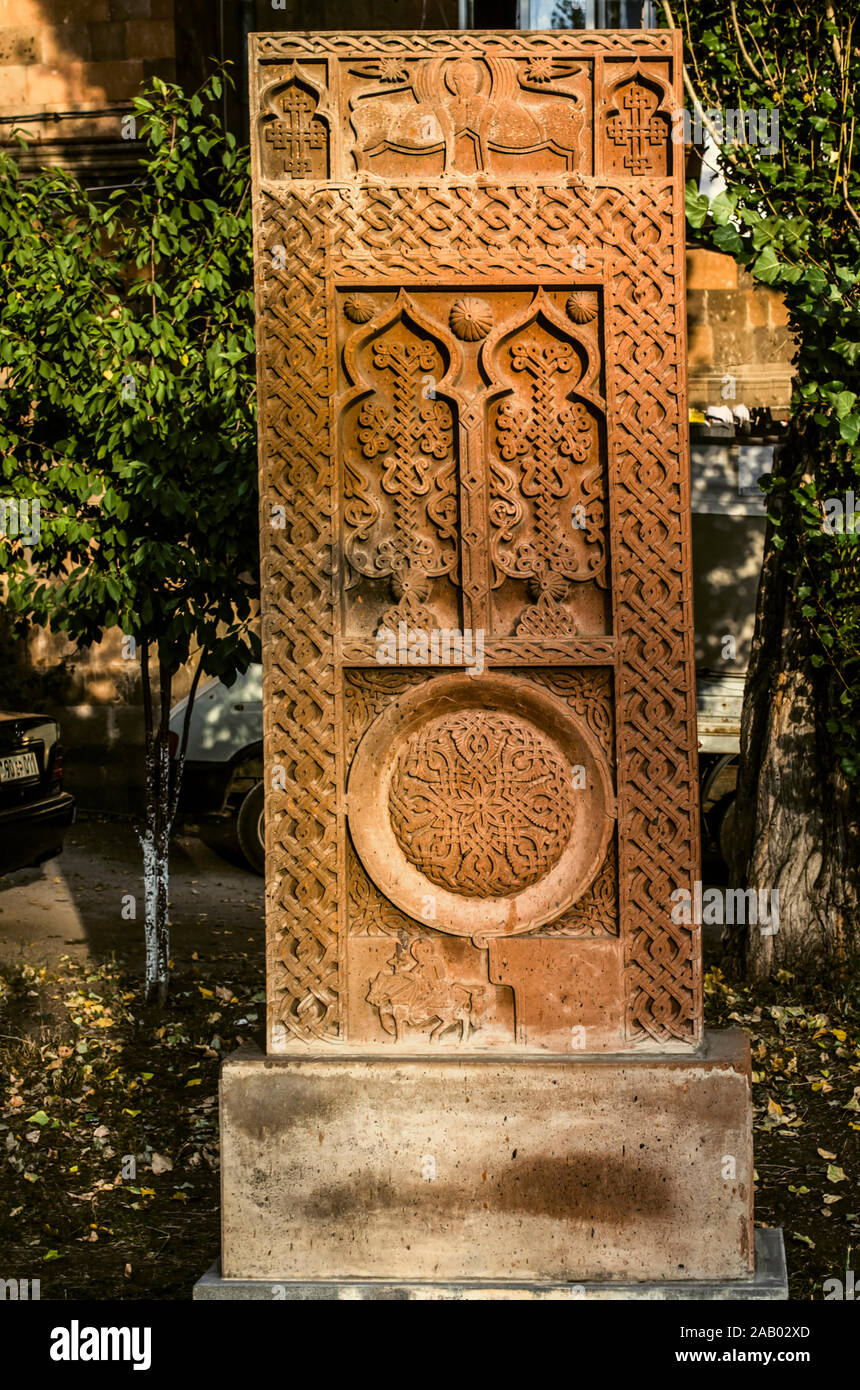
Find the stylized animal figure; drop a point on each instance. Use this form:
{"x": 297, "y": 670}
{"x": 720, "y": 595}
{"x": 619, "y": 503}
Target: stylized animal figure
{"x": 422, "y": 995}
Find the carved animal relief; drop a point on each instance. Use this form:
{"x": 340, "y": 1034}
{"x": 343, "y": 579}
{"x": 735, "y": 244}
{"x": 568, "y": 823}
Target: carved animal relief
{"x": 477, "y": 628}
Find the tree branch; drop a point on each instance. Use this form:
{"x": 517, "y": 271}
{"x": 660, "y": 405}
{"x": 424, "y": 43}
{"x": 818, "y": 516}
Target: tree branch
{"x": 691, "y": 93}
{"x": 746, "y": 57}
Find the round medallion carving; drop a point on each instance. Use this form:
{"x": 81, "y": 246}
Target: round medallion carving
{"x": 482, "y": 806}
{"x": 480, "y": 803}
{"x": 582, "y": 306}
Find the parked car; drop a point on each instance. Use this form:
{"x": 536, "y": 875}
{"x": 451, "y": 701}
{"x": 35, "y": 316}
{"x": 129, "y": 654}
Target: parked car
{"x": 223, "y": 775}
{"x": 35, "y": 812}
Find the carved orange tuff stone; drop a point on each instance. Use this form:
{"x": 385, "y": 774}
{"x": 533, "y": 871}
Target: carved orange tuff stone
{"x": 477, "y": 627}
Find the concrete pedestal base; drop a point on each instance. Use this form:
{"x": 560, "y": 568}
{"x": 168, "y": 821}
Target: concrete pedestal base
{"x": 465, "y": 1170}
{"x": 769, "y": 1285}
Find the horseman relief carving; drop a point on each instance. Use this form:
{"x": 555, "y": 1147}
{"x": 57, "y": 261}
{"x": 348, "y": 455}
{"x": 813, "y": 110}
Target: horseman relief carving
{"x": 422, "y": 994}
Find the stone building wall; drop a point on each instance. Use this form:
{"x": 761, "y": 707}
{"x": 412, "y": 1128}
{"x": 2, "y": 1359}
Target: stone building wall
{"x": 736, "y": 328}
{"x": 76, "y": 64}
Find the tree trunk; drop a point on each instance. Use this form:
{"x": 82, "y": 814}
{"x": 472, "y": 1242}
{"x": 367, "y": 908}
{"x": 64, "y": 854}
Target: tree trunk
{"x": 160, "y": 802}
{"x": 155, "y": 835}
{"x": 795, "y": 822}
{"x": 156, "y": 919}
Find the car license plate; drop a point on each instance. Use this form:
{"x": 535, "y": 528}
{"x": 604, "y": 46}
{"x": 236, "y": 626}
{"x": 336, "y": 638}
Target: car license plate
{"x": 18, "y": 766}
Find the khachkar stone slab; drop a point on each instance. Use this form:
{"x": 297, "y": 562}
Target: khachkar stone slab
{"x": 470, "y": 279}
{"x": 478, "y": 654}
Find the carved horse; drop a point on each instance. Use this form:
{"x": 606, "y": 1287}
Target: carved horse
{"x": 402, "y": 1001}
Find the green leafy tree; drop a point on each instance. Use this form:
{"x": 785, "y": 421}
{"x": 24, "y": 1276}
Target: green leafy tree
{"x": 127, "y": 350}
{"x": 790, "y": 216}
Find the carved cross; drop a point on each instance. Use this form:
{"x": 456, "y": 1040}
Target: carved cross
{"x": 297, "y": 135}
{"x": 637, "y": 128}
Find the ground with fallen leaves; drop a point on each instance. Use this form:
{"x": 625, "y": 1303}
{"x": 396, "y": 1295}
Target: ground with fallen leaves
{"x": 109, "y": 1123}
{"x": 109, "y": 1130}
{"x": 806, "y": 1095}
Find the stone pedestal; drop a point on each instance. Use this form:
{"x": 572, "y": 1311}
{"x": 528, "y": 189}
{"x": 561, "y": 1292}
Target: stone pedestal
{"x": 554, "y": 1170}
{"x": 770, "y": 1284}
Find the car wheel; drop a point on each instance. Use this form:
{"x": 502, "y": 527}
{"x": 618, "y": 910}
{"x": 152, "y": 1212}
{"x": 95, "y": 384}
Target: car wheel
{"x": 251, "y": 831}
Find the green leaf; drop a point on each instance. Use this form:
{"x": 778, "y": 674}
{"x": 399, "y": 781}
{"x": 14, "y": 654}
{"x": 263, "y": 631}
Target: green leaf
{"x": 766, "y": 267}
{"x": 723, "y": 207}
{"x": 727, "y": 239}
{"x": 696, "y": 205}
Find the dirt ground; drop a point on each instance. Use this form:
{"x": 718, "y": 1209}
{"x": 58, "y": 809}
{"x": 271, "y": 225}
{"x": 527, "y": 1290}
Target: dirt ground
{"x": 108, "y": 1109}
{"x": 90, "y": 1079}
{"x": 74, "y": 905}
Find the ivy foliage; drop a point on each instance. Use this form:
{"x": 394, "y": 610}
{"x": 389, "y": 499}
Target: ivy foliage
{"x": 127, "y": 409}
{"x": 792, "y": 218}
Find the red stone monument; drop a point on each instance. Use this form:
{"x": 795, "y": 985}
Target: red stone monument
{"x": 486, "y": 1059}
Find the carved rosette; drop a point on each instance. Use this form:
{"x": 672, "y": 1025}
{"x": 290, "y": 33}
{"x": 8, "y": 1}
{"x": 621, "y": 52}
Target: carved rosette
{"x": 481, "y": 803}
{"x": 471, "y": 319}
{"x": 582, "y": 306}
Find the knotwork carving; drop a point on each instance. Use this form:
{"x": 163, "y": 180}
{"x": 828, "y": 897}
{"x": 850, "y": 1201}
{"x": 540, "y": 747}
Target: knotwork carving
{"x": 480, "y": 803}
{"x": 405, "y": 439}
{"x": 596, "y": 912}
{"x": 553, "y": 442}
{"x": 367, "y": 693}
{"x": 299, "y": 683}
{"x": 393, "y": 47}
